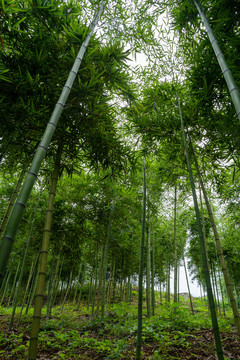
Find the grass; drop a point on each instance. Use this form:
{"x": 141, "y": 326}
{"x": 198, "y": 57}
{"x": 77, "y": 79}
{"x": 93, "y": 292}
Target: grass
{"x": 173, "y": 333}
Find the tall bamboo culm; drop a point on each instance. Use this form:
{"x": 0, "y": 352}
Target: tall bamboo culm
{"x": 203, "y": 252}
{"x": 140, "y": 277}
{"x": 226, "y": 276}
{"x": 18, "y": 209}
{"x": 175, "y": 299}
{"x": 43, "y": 260}
{"x": 231, "y": 84}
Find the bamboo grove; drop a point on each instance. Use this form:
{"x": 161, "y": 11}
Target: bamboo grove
{"x": 115, "y": 175}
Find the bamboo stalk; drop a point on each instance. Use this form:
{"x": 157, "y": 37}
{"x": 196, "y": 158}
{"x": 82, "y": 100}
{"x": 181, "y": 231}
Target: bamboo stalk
{"x": 140, "y": 277}
{"x": 18, "y": 209}
{"x": 203, "y": 252}
{"x": 231, "y": 84}
{"x": 43, "y": 260}
{"x": 218, "y": 245}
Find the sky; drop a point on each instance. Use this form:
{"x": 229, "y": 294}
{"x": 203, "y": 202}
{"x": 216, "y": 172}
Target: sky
{"x": 194, "y": 288}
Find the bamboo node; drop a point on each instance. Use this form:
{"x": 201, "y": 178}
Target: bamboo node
{"x": 8, "y": 237}
{"x": 32, "y": 173}
{"x": 52, "y": 123}
{"x": 235, "y": 88}
{"x": 42, "y": 146}
{"x": 20, "y": 203}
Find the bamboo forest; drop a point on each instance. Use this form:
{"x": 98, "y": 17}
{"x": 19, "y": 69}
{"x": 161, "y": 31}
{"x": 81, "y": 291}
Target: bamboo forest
{"x": 120, "y": 179}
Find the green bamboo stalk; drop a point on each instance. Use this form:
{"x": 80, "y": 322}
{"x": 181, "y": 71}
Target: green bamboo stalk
{"x": 56, "y": 286}
{"x": 128, "y": 289}
{"x": 43, "y": 259}
{"x": 100, "y": 277}
{"x": 221, "y": 290}
{"x": 14, "y": 284}
{"x": 66, "y": 293}
{"x": 105, "y": 263}
{"x": 31, "y": 272}
{"x": 23, "y": 263}
{"x": 5, "y": 287}
{"x": 95, "y": 283}
{"x": 11, "y": 202}
{"x": 18, "y": 209}
{"x": 113, "y": 282}
{"x": 90, "y": 287}
{"x": 81, "y": 288}
{"x": 231, "y": 84}
{"x": 148, "y": 271}
{"x": 4, "y": 280}
{"x": 175, "y": 298}
{"x": 49, "y": 291}
{"x": 33, "y": 288}
{"x": 201, "y": 240}
{"x": 216, "y": 287}
{"x": 189, "y": 293}
{"x": 153, "y": 275}
{"x": 140, "y": 277}
{"x": 226, "y": 276}
{"x": 78, "y": 282}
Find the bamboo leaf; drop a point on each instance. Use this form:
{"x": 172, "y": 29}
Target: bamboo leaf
{"x": 16, "y": 25}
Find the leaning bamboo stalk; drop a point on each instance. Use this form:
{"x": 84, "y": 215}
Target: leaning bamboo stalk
{"x": 231, "y": 84}
{"x": 18, "y": 209}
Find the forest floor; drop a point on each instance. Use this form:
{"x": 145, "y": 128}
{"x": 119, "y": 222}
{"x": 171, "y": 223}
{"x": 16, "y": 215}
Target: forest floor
{"x": 172, "y": 333}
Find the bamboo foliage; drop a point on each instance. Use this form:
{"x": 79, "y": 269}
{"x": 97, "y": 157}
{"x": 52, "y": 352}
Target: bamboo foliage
{"x": 232, "y": 86}
{"x": 202, "y": 247}
{"x": 18, "y": 209}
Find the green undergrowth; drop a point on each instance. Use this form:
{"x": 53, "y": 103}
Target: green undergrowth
{"x": 76, "y": 334}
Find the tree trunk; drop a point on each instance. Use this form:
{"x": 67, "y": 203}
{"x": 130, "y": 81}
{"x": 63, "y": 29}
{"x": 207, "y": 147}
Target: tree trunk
{"x": 43, "y": 261}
